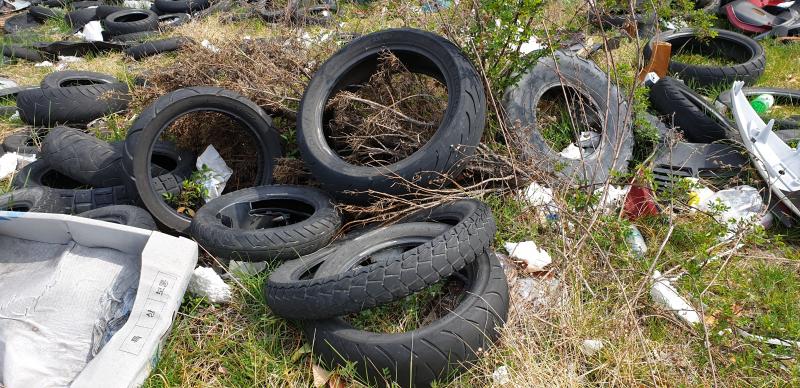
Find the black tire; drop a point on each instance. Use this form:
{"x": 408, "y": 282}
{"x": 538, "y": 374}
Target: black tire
{"x": 24, "y": 142}
{"x": 181, "y": 6}
{"x": 172, "y": 20}
{"x": 39, "y": 173}
{"x": 432, "y": 352}
{"x": 645, "y": 18}
{"x": 225, "y": 227}
{"x": 7, "y": 94}
{"x": 156, "y": 47}
{"x": 34, "y": 199}
{"x": 80, "y": 17}
{"x": 19, "y": 52}
{"x": 750, "y": 57}
{"x": 610, "y": 113}
{"x": 123, "y": 215}
{"x": 129, "y": 21}
{"x": 83, "y": 157}
{"x": 104, "y": 10}
{"x": 150, "y": 124}
{"x": 71, "y": 105}
{"x": 458, "y": 134}
{"x": 19, "y": 22}
{"x": 135, "y": 37}
{"x": 782, "y": 97}
{"x": 68, "y": 78}
{"x": 699, "y": 121}
{"x": 42, "y": 14}
{"x": 385, "y": 281}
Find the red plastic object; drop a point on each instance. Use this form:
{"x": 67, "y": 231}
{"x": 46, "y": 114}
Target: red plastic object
{"x": 738, "y": 10}
{"x": 639, "y": 202}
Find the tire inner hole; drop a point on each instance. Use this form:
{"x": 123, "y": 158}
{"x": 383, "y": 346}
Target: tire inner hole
{"x": 270, "y": 213}
{"x": 569, "y": 122}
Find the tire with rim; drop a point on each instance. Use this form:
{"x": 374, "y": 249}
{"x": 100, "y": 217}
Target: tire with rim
{"x": 156, "y": 47}
{"x": 67, "y": 78}
{"x": 432, "y": 352}
{"x": 34, "y": 199}
{"x": 699, "y": 121}
{"x": 181, "y": 6}
{"x": 123, "y": 215}
{"x": 129, "y": 21}
{"x": 748, "y": 54}
{"x": 471, "y": 234}
{"x": 422, "y": 52}
{"x": 158, "y": 116}
{"x": 266, "y": 223}
{"x": 562, "y": 74}
{"x": 71, "y": 105}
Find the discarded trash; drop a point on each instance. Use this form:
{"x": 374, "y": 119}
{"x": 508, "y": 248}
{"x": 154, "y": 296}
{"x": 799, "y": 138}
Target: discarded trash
{"x": 636, "y": 241}
{"x": 320, "y": 375}
{"x": 216, "y": 179}
{"x": 12, "y": 161}
{"x": 541, "y": 292}
{"x": 500, "y": 376}
{"x": 43, "y": 64}
{"x": 610, "y": 197}
{"x": 698, "y": 193}
{"x": 99, "y": 295}
{"x": 140, "y": 4}
{"x": 207, "y": 284}
{"x": 535, "y": 259}
{"x": 205, "y": 43}
{"x": 571, "y": 152}
{"x": 590, "y": 347}
{"x": 431, "y": 6}
{"x": 639, "y": 202}
{"x": 668, "y": 297}
{"x": 735, "y": 206}
{"x": 530, "y": 46}
{"x": 93, "y": 31}
{"x": 541, "y": 198}
{"x": 762, "y": 103}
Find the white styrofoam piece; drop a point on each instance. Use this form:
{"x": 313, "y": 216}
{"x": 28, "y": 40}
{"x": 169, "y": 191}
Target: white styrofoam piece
{"x": 93, "y": 31}
{"x": 571, "y": 152}
{"x": 611, "y": 197}
{"x": 527, "y": 251}
{"x": 208, "y": 284}
{"x": 668, "y": 297}
{"x": 777, "y": 163}
{"x": 166, "y": 264}
{"x": 590, "y": 347}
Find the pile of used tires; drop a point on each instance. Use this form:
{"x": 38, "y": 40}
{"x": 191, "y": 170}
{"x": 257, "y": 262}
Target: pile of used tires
{"x": 326, "y": 275}
{"x": 122, "y": 28}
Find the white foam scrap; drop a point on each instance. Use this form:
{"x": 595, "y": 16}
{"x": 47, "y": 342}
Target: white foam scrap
{"x": 218, "y": 177}
{"x": 44, "y": 64}
{"x": 93, "y": 31}
{"x": 210, "y": 47}
{"x": 69, "y": 59}
{"x": 538, "y": 195}
{"x": 501, "y": 376}
{"x": 668, "y": 297}
{"x": 590, "y": 347}
{"x": 530, "y": 46}
{"x": 206, "y": 283}
{"x": 611, "y": 197}
{"x": 10, "y": 162}
{"x": 535, "y": 259}
{"x": 571, "y": 152}
{"x": 636, "y": 241}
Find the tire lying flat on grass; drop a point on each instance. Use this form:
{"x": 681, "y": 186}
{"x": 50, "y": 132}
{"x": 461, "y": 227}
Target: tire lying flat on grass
{"x": 158, "y": 116}
{"x": 71, "y": 105}
{"x": 266, "y": 223}
{"x": 421, "y": 52}
{"x": 386, "y": 281}
{"x": 67, "y": 78}
{"x": 426, "y": 354}
{"x": 129, "y": 21}
{"x": 156, "y": 47}
{"x": 748, "y": 54}
{"x": 581, "y": 80}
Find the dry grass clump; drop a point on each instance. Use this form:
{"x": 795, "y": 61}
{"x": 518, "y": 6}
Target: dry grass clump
{"x": 389, "y": 118}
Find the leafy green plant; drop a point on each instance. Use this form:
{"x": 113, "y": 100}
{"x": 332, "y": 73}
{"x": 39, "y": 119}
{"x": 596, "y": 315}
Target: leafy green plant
{"x": 193, "y": 193}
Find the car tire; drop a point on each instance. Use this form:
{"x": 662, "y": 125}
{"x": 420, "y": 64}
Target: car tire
{"x": 215, "y": 226}
{"x": 456, "y": 138}
{"x": 71, "y": 105}
{"x": 750, "y": 57}
{"x": 123, "y": 215}
{"x": 83, "y": 157}
{"x": 584, "y": 77}
{"x": 130, "y": 21}
{"x": 386, "y": 281}
{"x": 181, "y": 6}
{"x": 432, "y": 352}
{"x": 154, "y": 119}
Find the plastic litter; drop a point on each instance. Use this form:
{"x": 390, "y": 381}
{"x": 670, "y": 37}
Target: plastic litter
{"x": 639, "y": 202}
{"x": 500, "y": 376}
{"x": 93, "y": 31}
{"x": 207, "y": 284}
{"x": 742, "y": 204}
{"x": 590, "y": 347}
{"x": 571, "y": 152}
{"x": 217, "y": 178}
{"x": 530, "y": 46}
{"x": 762, "y": 103}
{"x": 610, "y": 197}
{"x": 43, "y": 64}
{"x": 668, "y": 297}
{"x": 206, "y": 44}
{"x": 541, "y": 292}
{"x": 541, "y": 198}
{"x": 636, "y": 241}
{"x": 535, "y": 259}
{"x": 12, "y": 161}
{"x": 698, "y": 194}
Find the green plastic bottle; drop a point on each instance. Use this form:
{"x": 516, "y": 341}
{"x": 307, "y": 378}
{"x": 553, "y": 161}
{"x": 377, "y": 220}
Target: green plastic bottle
{"x": 762, "y": 103}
